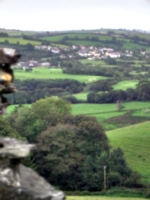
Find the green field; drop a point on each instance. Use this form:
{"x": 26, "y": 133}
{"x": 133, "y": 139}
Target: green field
{"x": 84, "y": 42}
{"x": 100, "y": 198}
{"x": 18, "y": 40}
{"x": 103, "y": 116}
{"x": 17, "y": 32}
{"x": 135, "y": 142}
{"x": 11, "y": 108}
{"x": 78, "y": 36}
{"x": 81, "y": 96}
{"x": 142, "y": 112}
{"x": 103, "y": 112}
{"x": 95, "y": 63}
{"x": 129, "y": 45}
{"x": 45, "y": 73}
{"x": 123, "y": 85}
{"x": 92, "y": 108}
{"x": 107, "y": 108}
{"x": 136, "y": 73}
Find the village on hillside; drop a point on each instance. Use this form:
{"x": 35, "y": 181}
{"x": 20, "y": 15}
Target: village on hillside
{"x": 77, "y": 52}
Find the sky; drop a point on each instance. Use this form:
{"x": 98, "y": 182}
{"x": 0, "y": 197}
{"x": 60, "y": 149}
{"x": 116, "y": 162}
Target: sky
{"x": 59, "y": 15}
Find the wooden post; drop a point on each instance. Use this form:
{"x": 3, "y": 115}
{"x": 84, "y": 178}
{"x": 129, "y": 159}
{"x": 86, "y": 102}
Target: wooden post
{"x": 105, "y": 178}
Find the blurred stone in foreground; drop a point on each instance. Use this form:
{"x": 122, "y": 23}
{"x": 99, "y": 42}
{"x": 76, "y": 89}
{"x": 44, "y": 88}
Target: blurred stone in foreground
{"x": 18, "y": 182}
{"x": 8, "y": 57}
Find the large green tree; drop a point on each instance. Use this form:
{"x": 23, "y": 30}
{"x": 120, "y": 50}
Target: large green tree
{"x": 6, "y": 130}
{"x": 30, "y": 121}
{"x": 143, "y": 90}
{"x": 73, "y": 153}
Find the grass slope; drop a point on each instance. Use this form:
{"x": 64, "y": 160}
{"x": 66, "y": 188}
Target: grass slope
{"x": 45, "y": 73}
{"x": 100, "y": 198}
{"x": 123, "y": 85}
{"x": 103, "y": 112}
{"x": 134, "y": 141}
{"x": 18, "y": 40}
{"x": 107, "y": 108}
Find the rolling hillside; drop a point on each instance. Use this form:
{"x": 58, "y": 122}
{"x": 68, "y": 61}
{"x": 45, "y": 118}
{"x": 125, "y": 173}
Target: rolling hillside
{"x": 134, "y": 141}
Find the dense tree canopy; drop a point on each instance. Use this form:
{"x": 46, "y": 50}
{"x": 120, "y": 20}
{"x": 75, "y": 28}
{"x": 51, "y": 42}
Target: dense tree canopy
{"x": 77, "y": 147}
{"x": 32, "y": 90}
{"x": 72, "y": 150}
{"x": 6, "y": 130}
{"x": 30, "y": 121}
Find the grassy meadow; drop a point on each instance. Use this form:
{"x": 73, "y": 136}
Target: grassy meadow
{"x": 84, "y": 38}
{"x": 100, "y": 198}
{"x": 130, "y": 46}
{"x": 57, "y": 38}
{"x": 134, "y": 141}
{"x": 17, "y": 32}
{"x": 123, "y": 85}
{"x": 18, "y": 40}
{"x": 104, "y": 112}
{"x": 142, "y": 112}
{"x": 52, "y": 73}
{"x": 96, "y": 62}
{"x": 81, "y": 96}
{"x": 107, "y": 108}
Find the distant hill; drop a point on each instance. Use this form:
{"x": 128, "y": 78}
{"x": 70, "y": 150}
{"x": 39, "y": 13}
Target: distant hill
{"x": 113, "y": 38}
{"x": 135, "y": 142}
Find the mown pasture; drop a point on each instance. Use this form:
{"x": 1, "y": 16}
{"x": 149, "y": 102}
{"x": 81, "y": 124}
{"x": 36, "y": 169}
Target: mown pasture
{"x": 11, "y": 108}
{"x": 21, "y": 41}
{"x": 46, "y": 73}
{"x": 123, "y": 85}
{"x": 57, "y": 38}
{"x": 107, "y": 108}
{"x": 17, "y": 32}
{"x": 134, "y": 141}
{"x": 100, "y": 198}
{"x": 81, "y": 96}
{"x": 87, "y": 43}
{"x": 104, "y": 112}
{"x": 93, "y": 62}
{"x": 86, "y": 39}
{"x": 130, "y": 45}
{"x": 96, "y": 62}
{"x": 142, "y": 112}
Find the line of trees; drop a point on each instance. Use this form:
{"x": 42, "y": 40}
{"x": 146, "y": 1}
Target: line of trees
{"x": 30, "y": 91}
{"x": 141, "y": 93}
{"x": 100, "y": 91}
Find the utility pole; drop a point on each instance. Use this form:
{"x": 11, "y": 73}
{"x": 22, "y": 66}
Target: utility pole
{"x": 105, "y": 177}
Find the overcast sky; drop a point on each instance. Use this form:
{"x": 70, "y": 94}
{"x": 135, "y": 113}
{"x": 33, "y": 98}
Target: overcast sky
{"x": 51, "y": 15}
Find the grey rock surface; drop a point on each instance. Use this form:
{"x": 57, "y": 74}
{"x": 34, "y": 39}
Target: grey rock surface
{"x": 18, "y": 182}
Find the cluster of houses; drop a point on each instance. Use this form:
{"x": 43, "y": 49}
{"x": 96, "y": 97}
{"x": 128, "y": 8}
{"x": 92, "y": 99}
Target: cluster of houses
{"x": 98, "y": 53}
{"x": 91, "y": 52}
{"x": 31, "y": 64}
